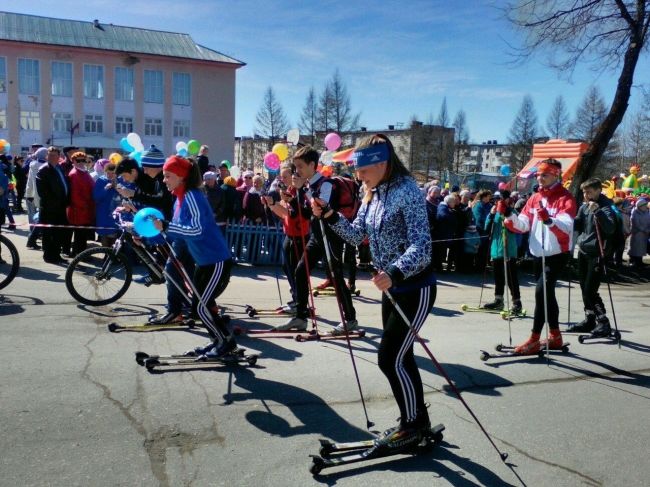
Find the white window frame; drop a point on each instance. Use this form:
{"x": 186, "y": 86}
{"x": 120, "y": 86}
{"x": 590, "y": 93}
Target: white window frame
{"x": 94, "y": 81}
{"x": 62, "y": 80}
{"x": 3, "y": 118}
{"x": 30, "y": 120}
{"x": 124, "y": 83}
{"x": 154, "y": 92}
{"x": 29, "y": 76}
{"x": 153, "y": 127}
{"x": 93, "y": 124}
{"x": 64, "y": 119}
{"x": 123, "y": 124}
{"x": 181, "y": 129}
{"x": 181, "y": 89}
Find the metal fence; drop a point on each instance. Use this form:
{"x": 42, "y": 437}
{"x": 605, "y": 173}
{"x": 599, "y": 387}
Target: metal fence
{"x": 255, "y": 244}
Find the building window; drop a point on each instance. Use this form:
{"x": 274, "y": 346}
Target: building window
{"x": 3, "y": 75}
{"x": 153, "y": 127}
{"x": 182, "y": 128}
{"x": 93, "y": 81}
{"x": 94, "y": 124}
{"x": 30, "y": 120}
{"x": 61, "y": 79}
{"x": 124, "y": 84}
{"x": 3, "y": 118}
{"x": 28, "y": 77}
{"x": 153, "y": 86}
{"x": 62, "y": 122}
{"x": 123, "y": 125}
{"x": 181, "y": 89}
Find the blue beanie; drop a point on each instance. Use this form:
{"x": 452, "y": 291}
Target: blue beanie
{"x": 153, "y": 158}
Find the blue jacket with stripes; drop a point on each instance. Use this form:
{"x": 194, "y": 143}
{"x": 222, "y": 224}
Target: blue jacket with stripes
{"x": 193, "y": 221}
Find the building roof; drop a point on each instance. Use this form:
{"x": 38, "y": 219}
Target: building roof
{"x": 95, "y": 35}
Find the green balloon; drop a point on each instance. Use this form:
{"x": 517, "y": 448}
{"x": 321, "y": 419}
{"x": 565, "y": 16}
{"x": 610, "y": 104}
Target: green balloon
{"x": 193, "y": 147}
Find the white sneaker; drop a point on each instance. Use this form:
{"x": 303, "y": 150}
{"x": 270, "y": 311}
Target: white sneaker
{"x": 295, "y": 323}
{"x": 340, "y": 328}
{"x": 289, "y": 309}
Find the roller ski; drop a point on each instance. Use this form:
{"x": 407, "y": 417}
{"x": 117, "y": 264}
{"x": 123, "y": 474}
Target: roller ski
{"x": 149, "y": 327}
{"x": 315, "y": 336}
{"x": 395, "y": 443}
{"x": 531, "y": 347}
{"x": 280, "y": 310}
{"x": 227, "y": 353}
{"x": 477, "y": 309}
{"x": 271, "y": 332}
{"x": 517, "y": 311}
{"x": 602, "y": 331}
{"x": 330, "y": 291}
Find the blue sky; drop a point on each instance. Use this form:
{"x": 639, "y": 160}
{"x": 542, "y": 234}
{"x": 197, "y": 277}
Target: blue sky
{"x": 398, "y": 58}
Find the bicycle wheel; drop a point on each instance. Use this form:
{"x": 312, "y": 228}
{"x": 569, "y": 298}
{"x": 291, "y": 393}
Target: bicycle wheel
{"x": 9, "y": 261}
{"x": 98, "y": 276}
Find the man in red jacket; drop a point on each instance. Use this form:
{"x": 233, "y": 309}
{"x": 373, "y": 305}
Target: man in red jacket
{"x": 548, "y": 215}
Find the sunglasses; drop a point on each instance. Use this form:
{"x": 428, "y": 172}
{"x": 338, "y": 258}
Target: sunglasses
{"x": 248, "y": 177}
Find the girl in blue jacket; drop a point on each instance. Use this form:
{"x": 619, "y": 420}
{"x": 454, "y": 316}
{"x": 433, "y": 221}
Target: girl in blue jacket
{"x": 193, "y": 222}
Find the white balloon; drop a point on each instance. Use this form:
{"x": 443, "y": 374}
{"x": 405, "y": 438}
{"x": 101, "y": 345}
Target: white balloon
{"x": 235, "y": 172}
{"x": 181, "y": 145}
{"x": 134, "y": 140}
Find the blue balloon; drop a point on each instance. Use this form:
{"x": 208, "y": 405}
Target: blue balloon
{"x": 137, "y": 155}
{"x": 126, "y": 147}
{"x": 182, "y": 152}
{"x": 143, "y": 222}
{"x": 505, "y": 170}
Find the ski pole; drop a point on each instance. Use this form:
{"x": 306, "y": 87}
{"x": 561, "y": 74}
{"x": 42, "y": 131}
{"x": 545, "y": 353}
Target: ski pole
{"x": 507, "y": 285}
{"x": 487, "y": 258}
{"x": 337, "y": 293}
{"x": 399, "y": 310}
{"x": 546, "y": 324}
{"x": 305, "y": 257}
{"x": 609, "y": 289}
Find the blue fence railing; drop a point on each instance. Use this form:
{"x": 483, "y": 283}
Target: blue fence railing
{"x": 254, "y": 243}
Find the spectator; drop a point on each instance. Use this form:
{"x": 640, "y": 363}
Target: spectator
{"x": 38, "y": 160}
{"x": 640, "y": 233}
{"x": 81, "y": 209}
{"x": 446, "y": 223}
{"x": 21, "y": 183}
{"x": 107, "y": 199}
{"x": 230, "y": 207}
{"x": 254, "y": 210}
{"x": 203, "y": 160}
{"x": 213, "y": 191}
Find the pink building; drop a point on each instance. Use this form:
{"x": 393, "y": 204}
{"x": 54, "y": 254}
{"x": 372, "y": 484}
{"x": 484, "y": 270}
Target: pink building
{"x": 111, "y": 80}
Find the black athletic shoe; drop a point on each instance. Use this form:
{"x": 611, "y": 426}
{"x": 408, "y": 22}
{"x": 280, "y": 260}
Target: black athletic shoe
{"x": 496, "y": 305}
{"x": 602, "y": 329}
{"x": 585, "y": 326}
{"x": 516, "y": 309}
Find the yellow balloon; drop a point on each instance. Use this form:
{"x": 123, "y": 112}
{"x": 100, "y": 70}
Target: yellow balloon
{"x": 115, "y": 158}
{"x": 281, "y": 151}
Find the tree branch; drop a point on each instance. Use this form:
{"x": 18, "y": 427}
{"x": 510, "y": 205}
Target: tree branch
{"x": 626, "y": 14}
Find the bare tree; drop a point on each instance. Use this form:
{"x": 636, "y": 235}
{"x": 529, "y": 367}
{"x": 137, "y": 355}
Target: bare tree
{"x": 461, "y": 137}
{"x": 343, "y": 120}
{"x": 271, "y": 121}
{"x": 638, "y": 137}
{"x": 557, "y": 123}
{"x": 589, "y": 115}
{"x": 443, "y": 114}
{"x": 523, "y": 132}
{"x": 309, "y": 116}
{"x": 609, "y": 34}
{"x": 324, "y": 120}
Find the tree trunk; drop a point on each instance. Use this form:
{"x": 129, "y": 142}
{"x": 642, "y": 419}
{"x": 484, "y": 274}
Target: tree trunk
{"x": 606, "y": 129}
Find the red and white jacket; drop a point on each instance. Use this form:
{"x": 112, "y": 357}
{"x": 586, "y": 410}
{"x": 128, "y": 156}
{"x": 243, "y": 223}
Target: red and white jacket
{"x": 558, "y": 236}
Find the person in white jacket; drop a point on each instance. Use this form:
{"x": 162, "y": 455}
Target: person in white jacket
{"x": 31, "y": 195}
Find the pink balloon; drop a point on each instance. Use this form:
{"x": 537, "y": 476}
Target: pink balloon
{"x": 503, "y": 186}
{"x": 332, "y": 141}
{"x": 272, "y": 161}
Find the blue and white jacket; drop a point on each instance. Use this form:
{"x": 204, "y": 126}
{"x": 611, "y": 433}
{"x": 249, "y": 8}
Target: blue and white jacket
{"x": 193, "y": 221}
{"x": 395, "y": 221}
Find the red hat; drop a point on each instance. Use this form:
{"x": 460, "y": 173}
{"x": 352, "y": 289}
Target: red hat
{"x": 178, "y": 165}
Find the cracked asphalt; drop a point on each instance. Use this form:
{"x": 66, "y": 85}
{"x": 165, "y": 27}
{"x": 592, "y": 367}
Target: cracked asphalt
{"x": 76, "y": 409}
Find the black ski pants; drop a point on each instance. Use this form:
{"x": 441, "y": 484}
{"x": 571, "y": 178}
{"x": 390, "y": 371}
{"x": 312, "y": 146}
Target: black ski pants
{"x": 314, "y": 252}
{"x": 396, "y": 358}
{"x": 291, "y": 255}
{"x": 210, "y": 281}
{"x": 590, "y": 272}
{"x": 554, "y": 266}
{"x": 500, "y": 277}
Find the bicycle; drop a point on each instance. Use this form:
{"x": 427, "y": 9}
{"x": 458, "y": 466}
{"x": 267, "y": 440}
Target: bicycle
{"x": 9, "y": 261}
{"x": 101, "y": 275}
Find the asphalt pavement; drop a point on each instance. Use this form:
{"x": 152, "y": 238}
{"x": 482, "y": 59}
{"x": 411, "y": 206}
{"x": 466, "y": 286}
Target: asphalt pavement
{"x": 76, "y": 409}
